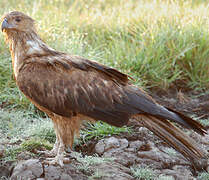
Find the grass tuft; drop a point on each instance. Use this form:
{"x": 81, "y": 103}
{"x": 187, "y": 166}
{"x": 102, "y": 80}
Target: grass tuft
{"x": 164, "y": 177}
{"x": 203, "y": 176}
{"x": 44, "y": 131}
{"x": 100, "y": 130}
{"x": 87, "y": 161}
{"x": 98, "y": 174}
{"x": 170, "y": 151}
{"x": 35, "y": 144}
{"x": 142, "y": 173}
{"x": 11, "y": 153}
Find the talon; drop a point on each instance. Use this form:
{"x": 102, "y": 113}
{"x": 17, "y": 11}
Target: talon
{"x": 58, "y": 160}
{"x": 66, "y": 160}
{"x": 47, "y": 153}
{"x": 54, "y": 161}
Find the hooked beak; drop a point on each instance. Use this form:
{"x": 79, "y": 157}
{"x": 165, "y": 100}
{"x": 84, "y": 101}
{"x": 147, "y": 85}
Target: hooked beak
{"x": 5, "y": 25}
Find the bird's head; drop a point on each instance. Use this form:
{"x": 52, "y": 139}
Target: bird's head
{"x": 17, "y": 21}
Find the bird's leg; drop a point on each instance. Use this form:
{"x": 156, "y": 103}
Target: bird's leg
{"x": 54, "y": 150}
{"x": 59, "y": 158}
{"x": 65, "y": 129}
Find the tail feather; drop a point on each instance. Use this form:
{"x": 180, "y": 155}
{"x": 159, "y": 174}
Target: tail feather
{"x": 174, "y": 137}
{"x": 192, "y": 124}
{"x": 140, "y": 103}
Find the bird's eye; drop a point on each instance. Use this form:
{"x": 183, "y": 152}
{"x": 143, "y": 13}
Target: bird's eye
{"x": 17, "y": 19}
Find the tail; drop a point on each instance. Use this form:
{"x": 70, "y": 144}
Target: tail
{"x": 140, "y": 103}
{"x": 185, "y": 121}
{"x": 175, "y": 138}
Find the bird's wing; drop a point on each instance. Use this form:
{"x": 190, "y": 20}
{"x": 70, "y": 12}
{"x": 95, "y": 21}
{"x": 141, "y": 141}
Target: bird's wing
{"x": 71, "y": 84}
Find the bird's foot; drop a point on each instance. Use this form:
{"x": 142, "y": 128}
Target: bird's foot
{"x": 47, "y": 153}
{"x": 58, "y": 160}
{"x": 51, "y": 153}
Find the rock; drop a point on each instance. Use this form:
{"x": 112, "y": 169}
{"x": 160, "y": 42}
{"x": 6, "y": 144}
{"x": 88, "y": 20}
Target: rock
{"x": 123, "y": 143}
{"x": 66, "y": 177}
{"x": 4, "y": 171}
{"x": 159, "y": 159}
{"x": 52, "y": 172}
{"x": 6, "y": 168}
{"x": 163, "y": 177}
{"x": 136, "y": 144}
{"x": 100, "y": 147}
{"x": 179, "y": 172}
{"x": 2, "y": 150}
{"x": 113, "y": 171}
{"x": 68, "y": 172}
{"x": 24, "y": 155}
{"x": 182, "y": 172}
{"x": 110, "y": 143}
{"x": 117, "y": 149}
{"x": 29, "y": 169}
{"x": 121, "y": 156}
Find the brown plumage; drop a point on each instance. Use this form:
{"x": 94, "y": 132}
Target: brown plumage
{"x": 71, "y": 89}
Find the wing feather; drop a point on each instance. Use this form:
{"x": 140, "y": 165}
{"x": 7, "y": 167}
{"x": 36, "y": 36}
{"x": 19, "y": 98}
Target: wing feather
{"x": 84, "y": 89}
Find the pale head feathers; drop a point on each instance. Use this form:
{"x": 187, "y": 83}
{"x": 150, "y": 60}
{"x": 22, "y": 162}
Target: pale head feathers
{"x": 18, "y": 21}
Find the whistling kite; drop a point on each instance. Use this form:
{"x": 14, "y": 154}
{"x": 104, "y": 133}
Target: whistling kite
{"x": 71, "y": 89}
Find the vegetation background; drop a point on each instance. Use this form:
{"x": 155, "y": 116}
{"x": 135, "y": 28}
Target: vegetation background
{"x": 160, "y": 43}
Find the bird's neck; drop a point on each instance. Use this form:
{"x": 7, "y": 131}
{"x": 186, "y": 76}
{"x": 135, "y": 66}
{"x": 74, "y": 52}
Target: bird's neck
{"x": 25, "y": 45}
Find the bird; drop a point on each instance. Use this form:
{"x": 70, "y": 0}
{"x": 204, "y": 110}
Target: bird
{"x": 71, "y": 89}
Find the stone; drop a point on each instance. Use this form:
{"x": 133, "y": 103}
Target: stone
{"x": 2, "y": 150}
{"x": 100, "y": 147}
{"x": 121, "y": 156}
{"x": 136, "y": 144}
{"x": 113, "y": 171}
{"x": 179, "y": 172}
{"x": 4, "y": 171}
{"x": 163, "y": 177}
{"x": 28, "y": 169}
{"x": 111, "y": 142}
{"x": 24, "y": 155}
{"x": 52, "y": 172}
{"x": 123, "y": 143}
{"x": 65, "y": 177}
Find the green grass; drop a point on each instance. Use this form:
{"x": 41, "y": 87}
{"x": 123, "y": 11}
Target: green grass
{"x": 87, "y": 161}
{"x": 98, "y": 174}
{"x": 16, "y": 125}
{"x": 11, "y": 153}
{"x": 24, "y": 131}
{"x": 35, "y": 143}
{"x": 142, "y": 173}
{"x": 164, "y": 177}
{"x": 100, "y": 130}
{"x": 159, "y": 43}
{"x": 203, "y": 176}
{"x": 170, "y": 151}
{"x": 204, "y": 122}
{"x": 44, "y": 130}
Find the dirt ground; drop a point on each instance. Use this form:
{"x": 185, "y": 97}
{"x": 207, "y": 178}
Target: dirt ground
{"x": 139, "y": 155}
